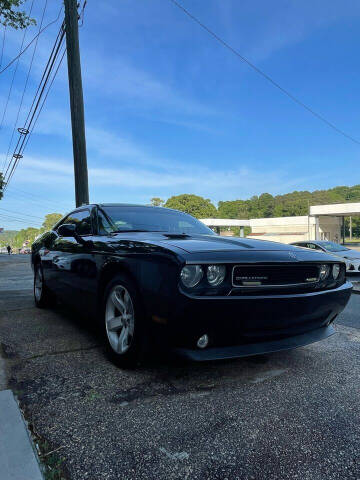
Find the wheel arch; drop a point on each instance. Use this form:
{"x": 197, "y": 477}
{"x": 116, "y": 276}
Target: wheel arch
{"x": 108, "y": 272}
{"x": 35, "y": 259}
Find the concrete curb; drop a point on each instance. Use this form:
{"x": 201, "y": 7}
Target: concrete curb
{"x": 18, "y": 460}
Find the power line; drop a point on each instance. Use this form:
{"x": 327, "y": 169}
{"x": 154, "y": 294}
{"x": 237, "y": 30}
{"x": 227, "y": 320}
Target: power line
{"x": 30, "y": 127}
{"x": 9, "y": 218}
{"x": 263, "y": 74}
{"x": 20, "y": 213}
{"x": 26, "y": 84}
{"x": 27, "y": 128}
{"x": 43, "y": 103}
{"x": 22, "y": 192}
{"x": 15, "y": 71}
{"x": 82, "y": 13}
{"x": 19, "y": 219}
{"x": 36, "y": 198}
{"x": 2, "y": 46}
{"x": 45, "y": 202}
{"x": 31, "y": 42}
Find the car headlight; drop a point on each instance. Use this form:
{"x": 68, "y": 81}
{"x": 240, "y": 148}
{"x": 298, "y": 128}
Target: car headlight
{"x": 324, "y": 271}
{"x": 215, "y": 274}
{"x": 191, "y": 275}
{"x": 336, "y": 271}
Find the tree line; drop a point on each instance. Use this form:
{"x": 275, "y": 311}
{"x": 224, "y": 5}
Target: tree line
{"x": 16, "y": 239}
{"x": 262, "y": 206}
{"x": 265, "y": 205}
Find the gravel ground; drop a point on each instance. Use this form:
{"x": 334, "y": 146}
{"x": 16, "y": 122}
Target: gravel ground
{"x": 282, "y": 416}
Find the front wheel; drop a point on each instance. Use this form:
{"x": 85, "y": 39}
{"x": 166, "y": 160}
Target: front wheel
{"x": 42, "y": 296}
{"x": 123, "y": 322}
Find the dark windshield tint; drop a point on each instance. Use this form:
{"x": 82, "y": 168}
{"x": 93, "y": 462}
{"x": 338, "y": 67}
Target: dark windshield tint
{"x": 333, "y": 247}
{"x": 154, "y": 220}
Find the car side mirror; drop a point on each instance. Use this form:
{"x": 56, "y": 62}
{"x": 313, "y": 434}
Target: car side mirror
{"x": 67, "y": 230}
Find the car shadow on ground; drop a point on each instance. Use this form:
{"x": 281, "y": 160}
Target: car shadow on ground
{"x": 171, "y": 374}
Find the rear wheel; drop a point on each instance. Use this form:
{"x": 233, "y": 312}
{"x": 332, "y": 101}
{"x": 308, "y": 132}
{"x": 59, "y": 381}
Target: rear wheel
{"x": 42, "y": 296}
{"x": 123, "y": 322}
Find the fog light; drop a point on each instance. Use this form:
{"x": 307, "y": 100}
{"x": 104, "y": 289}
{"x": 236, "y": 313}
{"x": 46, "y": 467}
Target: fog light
{"x": 203, "y": 341}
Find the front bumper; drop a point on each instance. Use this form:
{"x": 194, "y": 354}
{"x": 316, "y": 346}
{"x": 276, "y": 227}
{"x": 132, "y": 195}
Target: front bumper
{"x": 251, "y": 349}
{"x": 249, "y": 325}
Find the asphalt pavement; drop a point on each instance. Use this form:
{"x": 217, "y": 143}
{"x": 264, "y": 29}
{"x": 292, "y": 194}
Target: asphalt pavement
{"x": 289, "y": 415}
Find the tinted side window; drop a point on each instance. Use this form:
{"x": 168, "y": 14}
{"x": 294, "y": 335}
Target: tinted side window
{"x": 82, "y": 220}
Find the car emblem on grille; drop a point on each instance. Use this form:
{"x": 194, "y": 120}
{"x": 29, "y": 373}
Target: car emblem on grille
{"x": 292, "y": 255}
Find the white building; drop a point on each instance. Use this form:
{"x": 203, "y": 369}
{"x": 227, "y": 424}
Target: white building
{"x": 325, "y": 222}
{"x": 294, "y": 229}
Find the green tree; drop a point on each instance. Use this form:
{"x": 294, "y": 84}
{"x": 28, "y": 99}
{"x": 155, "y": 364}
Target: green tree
{"x": 157, "y": 202}
{"x": 196, "y": 206}
{"x": 234, "y": 209}
{"x": 12, "y": 17}
{"x": 7, "y": 237}
{"x": 26, "y": 235}
{"x": 50, "y": 220}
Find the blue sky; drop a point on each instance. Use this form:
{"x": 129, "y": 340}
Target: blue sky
{"x": 170, "y": 111}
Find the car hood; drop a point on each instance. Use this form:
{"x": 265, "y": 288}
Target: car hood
{"x": 214, "y": 243}
{"x": 210, "y": 247}
{"x": 351, "y": 254}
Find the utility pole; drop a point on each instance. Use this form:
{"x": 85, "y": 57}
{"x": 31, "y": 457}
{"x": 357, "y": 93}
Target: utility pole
{"x": 76, "y": 103}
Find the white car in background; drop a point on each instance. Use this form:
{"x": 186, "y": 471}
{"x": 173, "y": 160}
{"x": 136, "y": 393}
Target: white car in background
{"x": 350, "y": 256}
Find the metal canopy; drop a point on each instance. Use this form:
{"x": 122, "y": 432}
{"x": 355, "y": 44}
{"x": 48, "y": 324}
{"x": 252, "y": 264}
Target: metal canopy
{"x": 336, "y": 210}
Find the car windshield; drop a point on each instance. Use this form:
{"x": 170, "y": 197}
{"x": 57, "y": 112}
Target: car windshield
{"x": 146, "y": 219}
{"x": 333, "y": 247}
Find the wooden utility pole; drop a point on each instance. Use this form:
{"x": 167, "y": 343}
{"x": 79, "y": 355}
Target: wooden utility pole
{"x": 76, "y": 103}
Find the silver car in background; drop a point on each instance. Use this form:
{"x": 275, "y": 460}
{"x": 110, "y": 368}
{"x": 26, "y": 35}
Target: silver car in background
{"x": 351, "y": 257}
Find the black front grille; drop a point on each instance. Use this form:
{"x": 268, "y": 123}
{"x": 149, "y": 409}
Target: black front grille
{"x": 274, "y": 275}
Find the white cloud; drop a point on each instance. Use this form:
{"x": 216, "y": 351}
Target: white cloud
{"x": 216, "y": 184}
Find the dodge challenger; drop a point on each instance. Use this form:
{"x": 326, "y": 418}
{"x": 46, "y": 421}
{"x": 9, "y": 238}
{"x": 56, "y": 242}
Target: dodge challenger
{"x": 157, "y": 277}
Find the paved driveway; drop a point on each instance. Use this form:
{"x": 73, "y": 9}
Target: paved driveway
{"x": 282, "y": 416}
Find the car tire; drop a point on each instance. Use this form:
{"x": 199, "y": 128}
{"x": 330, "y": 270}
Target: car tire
{"x": 42, "y": 296}
{"x": 123, "y": 322}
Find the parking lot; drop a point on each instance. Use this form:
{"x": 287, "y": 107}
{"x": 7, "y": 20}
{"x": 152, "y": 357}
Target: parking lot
{"x": 281, "y": 416}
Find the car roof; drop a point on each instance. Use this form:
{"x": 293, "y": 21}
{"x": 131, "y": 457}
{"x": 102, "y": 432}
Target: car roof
{"x": 122, "y": 205}
{"x": 91, "y": 205}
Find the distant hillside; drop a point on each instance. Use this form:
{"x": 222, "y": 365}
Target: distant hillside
{"x": 290, "y": 204}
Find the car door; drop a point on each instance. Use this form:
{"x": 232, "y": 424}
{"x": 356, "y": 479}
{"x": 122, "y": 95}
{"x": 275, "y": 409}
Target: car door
{"x": 73, "y": 265}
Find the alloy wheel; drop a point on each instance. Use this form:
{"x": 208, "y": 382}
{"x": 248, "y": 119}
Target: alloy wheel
{"x": 38, "y": 284}
{"x": 119, "y": 319}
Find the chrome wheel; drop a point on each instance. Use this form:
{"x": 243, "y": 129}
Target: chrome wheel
{"x": 119, "y": 319}
{"x": 38, "y": 284}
